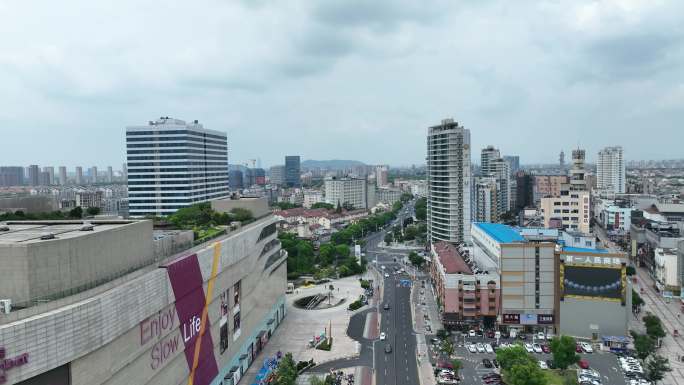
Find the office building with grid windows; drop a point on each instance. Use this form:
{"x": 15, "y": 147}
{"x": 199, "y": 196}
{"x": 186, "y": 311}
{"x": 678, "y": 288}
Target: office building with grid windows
{"x": 173, "y": 164}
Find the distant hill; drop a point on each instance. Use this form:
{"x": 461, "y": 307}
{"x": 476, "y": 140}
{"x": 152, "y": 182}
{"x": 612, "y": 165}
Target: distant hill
{"x": 334, "y": 164}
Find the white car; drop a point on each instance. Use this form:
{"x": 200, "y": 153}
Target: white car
{"x": 537, "y": 348}
{"x": 472, "y": 348}
{"x": 488, "y": 348}
{"x": 382, "y": 267}
{"x": 529, "y": 348}
{"x": 586, "y": 347}
{"x": 386, "y": 275}
{"x": 480, "y": 348}
{"x": 382, "y": 336}
{"x": 542, "y": 365}
{"x": 540, "y": 336}
{"x": 471, "y": 333}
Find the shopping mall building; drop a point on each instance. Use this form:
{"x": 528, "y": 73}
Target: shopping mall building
{"x": 119, "y": 303}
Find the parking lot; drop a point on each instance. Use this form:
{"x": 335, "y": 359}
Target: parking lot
{"x": 473, "y": 368}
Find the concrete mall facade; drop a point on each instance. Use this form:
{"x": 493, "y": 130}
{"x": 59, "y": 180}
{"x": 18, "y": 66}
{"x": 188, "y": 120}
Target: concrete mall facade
{"x": 151, "y": 326}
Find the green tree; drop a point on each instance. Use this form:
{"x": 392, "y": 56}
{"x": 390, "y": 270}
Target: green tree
{"x": 654, "y": 327}
{"x": 415, "y": 259}
{"x": 326, "y": 254}
{"x": 323, "y": 205}
{"x": 339, "y": 208}
{"x": 527, "y": 373}
{"x": 442, "y": 334}
{"x": 286, "y": 372}
{"x": 564, "y": 354}
{"x": 405, "y": 197}
{"x": 389, "y": 238}
{"x": 637, "y": 301}
{"x": 410, "y": 233}
{"x": 76, "y": 213}
{"x": 92, "y": 211}
{"x": 515, "y": 355}
{"x": 643, "y": 344}
{"x": 656, "y": 367}
{"x": 241, "y": 215}
{"x": 421, "y": 209}
{"x": 342, "y": 251}
{"x": 286, "y": 205}
{"x": 448, "y": 347}
{"x": 457, "y": 365}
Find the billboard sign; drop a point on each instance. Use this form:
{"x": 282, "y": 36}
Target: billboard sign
{"x": 593, "y": 281}
{"x": 528, "y": 319}
{"x": 511, "y": 318}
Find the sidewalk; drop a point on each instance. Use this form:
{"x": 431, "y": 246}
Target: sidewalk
{"x": 673, "y": 347}
{"x": 299, "y": 326}
{"x": 425, "y": 371}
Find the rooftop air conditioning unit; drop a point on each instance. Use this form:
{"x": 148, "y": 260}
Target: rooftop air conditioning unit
{"x": 87, "y": 226}
{"x": 46, "y": 236}
{"x": 4, "y": 227}
{"x": 5, "y": 306}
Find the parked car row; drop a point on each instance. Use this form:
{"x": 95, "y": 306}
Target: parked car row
{"x": 480, "y": 348}
{"x": 633, "y": 370}
{"x": 588, "y": 377}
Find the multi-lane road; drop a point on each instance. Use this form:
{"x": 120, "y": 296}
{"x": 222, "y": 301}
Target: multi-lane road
{"x": 399, "y": 366}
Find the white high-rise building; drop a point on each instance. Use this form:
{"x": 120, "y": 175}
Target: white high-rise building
{"x": 79, "y": 175}
{"x": 351, "y": 191}
{"x": 449, "y": 179}
{"x": 486, "y": 208}
{"x": 487, "y": 156}
{"x": 172, "y": 164}
{"x": 62, "y": 175}
{"x": 110, "y": 174}
{"x": 610, "y": 170}
{"x": 381, "y": 176}
{"x": 501, "y": 171}
{"x": 93, "y": 174}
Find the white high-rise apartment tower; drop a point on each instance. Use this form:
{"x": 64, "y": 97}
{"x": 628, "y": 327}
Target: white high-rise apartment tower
{"x": 610, "y": 170}
{"x": 449, "y": 178}
{"x": 172, "y": 164}
{"x": 488, "y": 155}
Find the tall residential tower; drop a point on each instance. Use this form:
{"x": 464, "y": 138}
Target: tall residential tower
{"x": 610, "y": 170}
{"x": 449, "y": 178}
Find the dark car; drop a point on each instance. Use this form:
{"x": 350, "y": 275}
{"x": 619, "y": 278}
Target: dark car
{"x": 495, "y": 362}
{"x": 487, "y": 363}
{"x": 550, "y": 364}
{"x": 491, "y": 375}
{"x": 546, "y": 349}
{"x": 388, "y": 348}
{"x": 490, "y": 334}
{"x": 386, "y": 307}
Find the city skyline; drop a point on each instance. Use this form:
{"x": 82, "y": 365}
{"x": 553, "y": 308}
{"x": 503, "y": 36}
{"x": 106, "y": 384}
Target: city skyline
{"x": 342, "y": 72}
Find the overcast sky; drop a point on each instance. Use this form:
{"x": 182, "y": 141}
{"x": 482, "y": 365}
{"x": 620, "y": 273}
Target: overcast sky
{"x": 350, "y": 79}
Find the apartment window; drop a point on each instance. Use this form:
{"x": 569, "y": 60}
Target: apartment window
{"x": 236, "y": 322}
{"x": 556, "y": 203}
{"x": 236, "y": 293}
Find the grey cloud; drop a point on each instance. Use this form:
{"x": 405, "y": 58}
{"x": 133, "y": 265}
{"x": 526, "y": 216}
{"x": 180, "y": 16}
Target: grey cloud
{"x": 638, "y": 55}
{"x": 379, "y": 15}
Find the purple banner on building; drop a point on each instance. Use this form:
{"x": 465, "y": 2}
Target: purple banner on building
{"x": 186, "y": 280}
